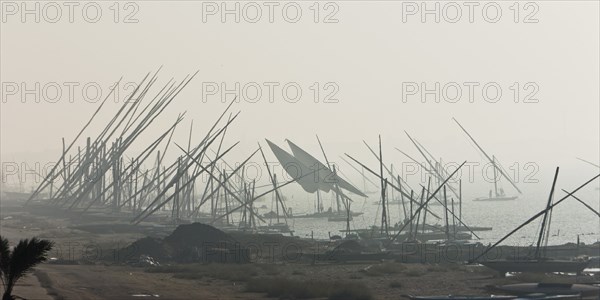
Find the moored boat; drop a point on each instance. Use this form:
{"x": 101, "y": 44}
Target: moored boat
{"x": 497, "y": 198}
{"x": 550, "y": 289}
{"x": 456, "y": 297}
{"x": 536, "y": 296}
{"x": 536, "y": 265}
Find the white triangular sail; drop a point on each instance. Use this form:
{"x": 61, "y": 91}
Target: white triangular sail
{"x": 327, "y": 178}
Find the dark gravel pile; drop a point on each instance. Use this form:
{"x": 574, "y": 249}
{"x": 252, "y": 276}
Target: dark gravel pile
{"x": 198, "y": 235}
{"x": 199, "y": 242}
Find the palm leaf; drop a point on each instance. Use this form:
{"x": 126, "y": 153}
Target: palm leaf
{"x": 4, "y": 259}
{"x": 27, "y": 254}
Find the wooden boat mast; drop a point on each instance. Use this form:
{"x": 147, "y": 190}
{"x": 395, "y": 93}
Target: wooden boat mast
{"x": 446, "y": 213}
{"x": 533, "y": 218}
{"x": 407, "y": 186}
{"x": 488, "y": 157}
{"x": 336, "y": 187}
{"x": 46, "y": 181}
{"x": 585, "y": 204}
{"x": 460, "y": 199}
{"x": 434, "y": 167}
{"x": 411, "y": 198}
{"x": 273, "y": 178}
{"x": 362, "y": 173}
{"x": 243, "y": 204}
{"x": 425, "y": 214}
{"x": 425, "y": 203}
{"x": 495, "y": 176}
{"x": 402, "y": 199}
{"x": 546, "y": 212}
{"x": 414, "y": 235}
{"x": 588, "y": 162}
{"x": 384, "y": 221}
{"x": 389, "y": 183}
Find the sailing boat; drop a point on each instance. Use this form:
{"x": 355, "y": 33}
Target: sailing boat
{"x": 278, "y": 227}
{"x": 539, "y": 263}
{"x": 330, "y": 177}
{"x": 499, "y": 194}
{"x": 325, "y": 179}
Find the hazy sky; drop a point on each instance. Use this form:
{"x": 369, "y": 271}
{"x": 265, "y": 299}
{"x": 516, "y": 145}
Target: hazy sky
{"x": 370, "y": 61}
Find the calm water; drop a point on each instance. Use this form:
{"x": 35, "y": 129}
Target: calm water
{"x": 569, "y": 218}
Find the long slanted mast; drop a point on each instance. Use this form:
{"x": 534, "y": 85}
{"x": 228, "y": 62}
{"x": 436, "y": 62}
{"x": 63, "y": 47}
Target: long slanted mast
{"x": 589, "y": 162}
{"x": 488, "y": 157}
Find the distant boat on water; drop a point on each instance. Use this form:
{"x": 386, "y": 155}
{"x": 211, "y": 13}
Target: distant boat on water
{"x": 327, "y": 214}
{"x": 496, "y": 198}
{"x": 498, "y": 194}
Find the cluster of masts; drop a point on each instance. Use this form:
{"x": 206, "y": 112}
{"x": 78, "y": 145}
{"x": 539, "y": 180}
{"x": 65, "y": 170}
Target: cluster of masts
{"x": 417, "y": 218}
{"x": 99, "y": 175}
{"x": 536, "y": 261}
{"x": 412, "y": 215}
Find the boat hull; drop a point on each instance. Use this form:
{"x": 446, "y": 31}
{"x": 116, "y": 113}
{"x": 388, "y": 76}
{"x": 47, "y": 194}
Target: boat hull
{"x": 345, "y": 257}
{"x": 452, "y": 297}
{"x": 536, "y": 266}
{"x": 325, "y": 215}
{"x": 550, "y": 289}
{"x": 496, "y": 199}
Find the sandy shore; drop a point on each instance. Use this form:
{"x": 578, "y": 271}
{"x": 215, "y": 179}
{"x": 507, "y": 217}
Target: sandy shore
{"x": 95, "y": 278}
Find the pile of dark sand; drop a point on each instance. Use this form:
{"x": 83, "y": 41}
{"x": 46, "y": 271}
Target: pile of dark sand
{"x": 198, "y": 235}
{"x": 350, "y": 246}
{"x": 150, "y": 246}
{"x": 194, "y": 242}
{"x": 199, "y": 242}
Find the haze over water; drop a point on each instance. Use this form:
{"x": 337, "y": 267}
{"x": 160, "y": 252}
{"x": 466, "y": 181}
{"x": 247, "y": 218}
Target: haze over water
{"x": 368, "y": 69}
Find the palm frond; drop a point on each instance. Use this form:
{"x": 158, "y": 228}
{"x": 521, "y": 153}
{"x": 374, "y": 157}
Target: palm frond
{"x": 4, "y": 259}
{"x": 27, "y": 254}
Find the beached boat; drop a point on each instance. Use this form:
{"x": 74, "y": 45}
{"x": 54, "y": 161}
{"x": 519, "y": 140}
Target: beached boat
{"x": 538, "y": 262}
{"x": 550, "y": 289}
{"x": 275, "y": 228}
{"x": 536, "y": 266}
{"x": 495, "y": 297}
{"x": 456, "y": 297}
{"x": 340, "y": 256}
